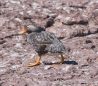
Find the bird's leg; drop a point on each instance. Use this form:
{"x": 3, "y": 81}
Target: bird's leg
{"x": 35, "y": 63}
{"x": 62, "y": 60}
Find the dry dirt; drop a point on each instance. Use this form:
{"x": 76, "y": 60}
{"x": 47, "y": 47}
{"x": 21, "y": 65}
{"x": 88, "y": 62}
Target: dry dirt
{"x": 74, "y": 22}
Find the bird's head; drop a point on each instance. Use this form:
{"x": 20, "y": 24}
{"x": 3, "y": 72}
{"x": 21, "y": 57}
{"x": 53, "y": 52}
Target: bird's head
{"x": 29, "y": 28}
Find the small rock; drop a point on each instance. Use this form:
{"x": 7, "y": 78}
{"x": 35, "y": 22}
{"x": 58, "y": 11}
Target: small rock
{"x": 34, "y": 5}
{"x": 58, "y": 17}
{"x": 18, "y": 45}
{"x": 68, "y": 18}
{"x": 47, "y": 67}
{"x": 15, "y": 66}
{"x": 54, "y": 62}
{"x": 64, "y": 8}
{"x": 21, "y": 13}
{"x": 29, "y": 12}
{"x": 23, "y": 6}
{"x": 18, "y": 38}
{"x": 2, "y": 64}
{"x": 1, "y": 12}
{"x": 32, "y": 56}
{"x": 52, "y": 15}
{"x": 66, "y": 68}
{"x": 15, "y": 2}
{"x": 3, "y": 70}
{"x": 15, "y": 54}
{"x": 17, "y": 19}
{"x": 46, "y": 10}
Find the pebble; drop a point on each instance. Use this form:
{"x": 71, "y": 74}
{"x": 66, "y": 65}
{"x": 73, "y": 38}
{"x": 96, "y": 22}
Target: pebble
{"x": 17, "y": 19}
{"x": 2, "y": 64}
{"x": 23, "y": 6}
{"x": 46, "y": 10}
{"x": 21, "y": 13}
{"x": 64, "y": 8}
{"x": 18, "y": 45}
{"x": 32, "y": 56}
{"x": 59, "y": 17}
{"x": 35, "y": 5}
{"x": 74, "y": 53}
{"x": 47, "y": 67}
{"x": 52, "y": 15}
{"x": 66, "y": 68}
{"x": 15, "y": 66}
{"x": 2, "y": 70}
{"x": 19, "y": 38}
{"x": 29, "y": 12}
{"x": 15, "y": 2}
{"x": 14, "y": 55}
{"x": 67, "y": 18}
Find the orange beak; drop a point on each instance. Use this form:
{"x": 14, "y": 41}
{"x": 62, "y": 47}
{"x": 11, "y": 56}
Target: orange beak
{"x": 23, "y": 31}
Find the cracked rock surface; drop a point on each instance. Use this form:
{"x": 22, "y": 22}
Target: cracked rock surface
{"x": 75, "y": 23}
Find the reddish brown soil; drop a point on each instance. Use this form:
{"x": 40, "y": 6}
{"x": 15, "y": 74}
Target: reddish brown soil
{"x": 75, "y": 22}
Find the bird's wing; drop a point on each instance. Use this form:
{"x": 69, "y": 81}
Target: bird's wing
{"x": 42, "y": 38}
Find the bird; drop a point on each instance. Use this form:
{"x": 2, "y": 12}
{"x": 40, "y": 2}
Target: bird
{"x": 43, "y": 42}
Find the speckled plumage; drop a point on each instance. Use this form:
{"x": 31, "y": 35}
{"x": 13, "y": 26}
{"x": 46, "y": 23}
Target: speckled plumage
{"x": 44, "y": 42}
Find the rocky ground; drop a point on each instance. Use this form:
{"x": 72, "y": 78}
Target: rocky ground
{"x": 74, "y": 22}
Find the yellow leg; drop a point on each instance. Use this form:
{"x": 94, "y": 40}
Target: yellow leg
{"x": 35, "y": 63}
{"x": 62, "y": 60}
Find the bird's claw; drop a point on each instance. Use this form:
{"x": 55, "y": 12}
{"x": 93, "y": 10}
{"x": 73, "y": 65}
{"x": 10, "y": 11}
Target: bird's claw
{"x": 33, "y": 64}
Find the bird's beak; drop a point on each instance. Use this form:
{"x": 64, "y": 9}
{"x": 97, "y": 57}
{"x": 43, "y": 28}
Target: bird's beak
{"x": 23, "y": 31}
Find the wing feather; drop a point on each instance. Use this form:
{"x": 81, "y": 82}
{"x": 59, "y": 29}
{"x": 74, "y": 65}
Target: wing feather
{"x": 42, "y": 38}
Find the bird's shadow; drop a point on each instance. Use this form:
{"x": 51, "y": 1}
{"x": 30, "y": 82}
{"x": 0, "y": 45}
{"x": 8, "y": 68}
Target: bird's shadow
{"x": 65, "y": 62}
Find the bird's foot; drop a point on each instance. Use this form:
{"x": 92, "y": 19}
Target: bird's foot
{"x": 33, "y": 64}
